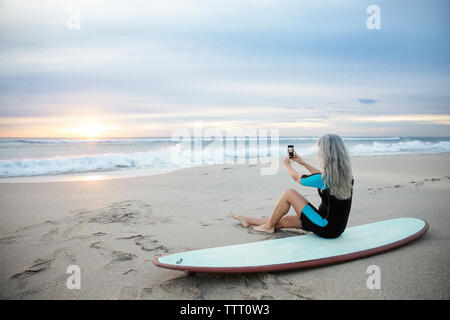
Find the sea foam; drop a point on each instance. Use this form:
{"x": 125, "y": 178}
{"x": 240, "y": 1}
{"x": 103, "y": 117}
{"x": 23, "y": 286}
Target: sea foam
{"x": 172, "y": 156}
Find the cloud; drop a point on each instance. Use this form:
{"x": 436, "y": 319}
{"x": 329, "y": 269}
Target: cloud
{"x": 171, "y": 61}
{"x": 367, "y": 101}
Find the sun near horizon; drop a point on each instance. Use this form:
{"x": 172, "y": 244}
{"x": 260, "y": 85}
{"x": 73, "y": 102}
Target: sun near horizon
{"x": 88, "y": 130}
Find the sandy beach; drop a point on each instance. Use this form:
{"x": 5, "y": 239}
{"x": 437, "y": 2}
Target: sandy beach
{"x": 112, "y": 229}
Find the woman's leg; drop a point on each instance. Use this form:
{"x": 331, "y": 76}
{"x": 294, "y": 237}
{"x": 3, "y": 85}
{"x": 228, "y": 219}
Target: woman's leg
{"x": 249, "y": 221}
{"x": 289, "y": 198}
{"x": 289, "y": 221}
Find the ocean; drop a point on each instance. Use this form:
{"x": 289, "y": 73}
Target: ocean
{"x": 83, "y": 159}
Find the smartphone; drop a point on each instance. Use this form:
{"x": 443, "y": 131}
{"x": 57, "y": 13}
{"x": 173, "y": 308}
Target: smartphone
{"x": 291, "y": 151}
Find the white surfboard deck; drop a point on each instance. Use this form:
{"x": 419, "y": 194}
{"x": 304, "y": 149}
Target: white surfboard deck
{"x": 298, "y": 251}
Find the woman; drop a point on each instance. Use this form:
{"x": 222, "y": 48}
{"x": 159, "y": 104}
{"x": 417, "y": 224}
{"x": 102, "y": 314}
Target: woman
{"x": 335, "y": 187}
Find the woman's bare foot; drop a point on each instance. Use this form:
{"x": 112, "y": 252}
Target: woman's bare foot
{"x": 241, "y": 219}
{"x": 264, "y": 228}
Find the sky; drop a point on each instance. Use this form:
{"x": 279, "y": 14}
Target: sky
{"x": 146, "y": 68}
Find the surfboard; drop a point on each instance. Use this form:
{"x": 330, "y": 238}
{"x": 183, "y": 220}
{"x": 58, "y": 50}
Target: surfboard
{"x": 297, "y": 252}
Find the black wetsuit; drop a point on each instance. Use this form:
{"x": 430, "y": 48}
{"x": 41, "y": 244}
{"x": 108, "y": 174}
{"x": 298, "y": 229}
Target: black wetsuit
{"x": 331, "y": 219}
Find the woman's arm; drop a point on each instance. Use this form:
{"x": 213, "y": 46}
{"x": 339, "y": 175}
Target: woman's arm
{"x": 309, "y": 167}
{"x": 312, "y": 180}
{"x": 294, "y": 174}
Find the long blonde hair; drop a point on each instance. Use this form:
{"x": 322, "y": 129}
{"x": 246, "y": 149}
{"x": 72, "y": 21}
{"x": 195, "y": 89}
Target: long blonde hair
{"x": 336, "y": 166}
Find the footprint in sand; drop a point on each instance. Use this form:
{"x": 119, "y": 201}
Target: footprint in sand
{"x": 130, "y": 271}
{"x": 125, "y": 212}
{"x": 291, "y": 288}
{"x": 151, "y": 245}
{"x": 145, "y": 292}
{"x": 49, "y": 235}
{"x": 96, "y": 245}
{"x": 182, "y": 287}
{"x": 89, "y": 236}
{"x": 9, "y": 240}
{"x": 128, "y": 293}
{"x": 251, "y": 286}
{"x": 137, "y": 236}
{"x": 39, "y": 265}
{"x": 146, "y": 243}
{"x": 122, "y": 256}
{"x": 119, "y": 257}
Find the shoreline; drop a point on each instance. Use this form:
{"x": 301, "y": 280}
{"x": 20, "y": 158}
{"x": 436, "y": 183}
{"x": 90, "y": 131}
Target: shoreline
{"x": 114, "y": 175}
{"x": 113, "y": 229}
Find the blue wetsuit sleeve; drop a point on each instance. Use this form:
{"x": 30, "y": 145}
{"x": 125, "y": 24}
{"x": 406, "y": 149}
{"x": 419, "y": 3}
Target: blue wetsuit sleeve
{"x": 313, "y": 180}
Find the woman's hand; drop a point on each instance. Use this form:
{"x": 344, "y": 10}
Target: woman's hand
{"x": 297, "y": 159}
